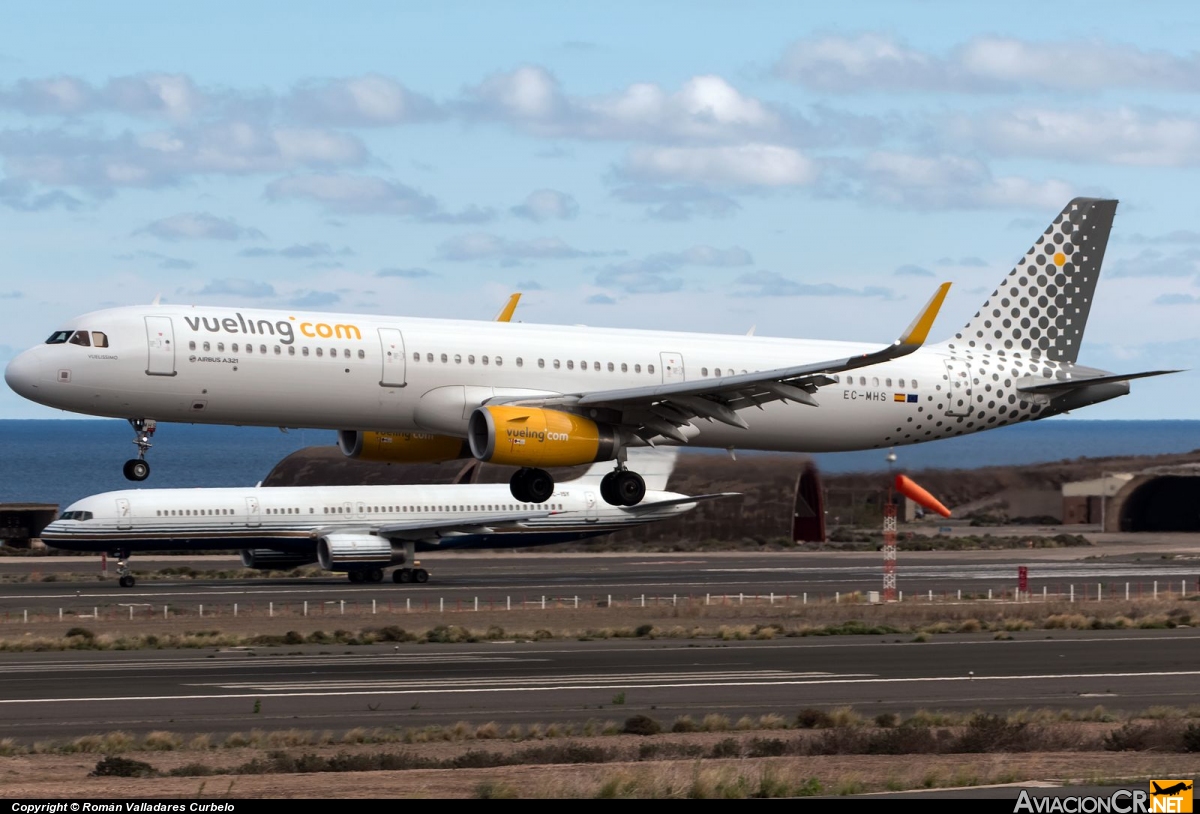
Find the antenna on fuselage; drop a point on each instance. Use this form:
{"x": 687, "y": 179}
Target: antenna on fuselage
{"x": 157, "y": 299}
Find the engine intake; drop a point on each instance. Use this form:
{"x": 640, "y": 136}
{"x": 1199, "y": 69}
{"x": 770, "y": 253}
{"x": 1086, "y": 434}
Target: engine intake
{"x": 402, "y": 447}
{"x": 343, "y": 552}
{"x": 530, "y": 436}
{"x": 268, "y": 559}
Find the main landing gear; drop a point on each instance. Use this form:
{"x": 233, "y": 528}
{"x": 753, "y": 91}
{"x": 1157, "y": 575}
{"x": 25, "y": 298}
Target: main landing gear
{"x": 403, "y": 576}
{"x": 138, "y": 469}
{"x": 124, "y": 574}
{"x": 365, "y": 575}
{"x": 620, "y": 487}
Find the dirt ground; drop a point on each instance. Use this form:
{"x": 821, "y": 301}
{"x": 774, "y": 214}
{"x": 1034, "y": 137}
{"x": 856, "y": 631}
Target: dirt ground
{"x": 49, "y": 777}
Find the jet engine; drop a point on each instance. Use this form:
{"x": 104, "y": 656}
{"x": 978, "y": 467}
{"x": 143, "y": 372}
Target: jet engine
{"x": 533, "y": 437}
{"x": 344, "y": 552}
{"x": 402, "y": 447}
{"x": 268, "y": 559}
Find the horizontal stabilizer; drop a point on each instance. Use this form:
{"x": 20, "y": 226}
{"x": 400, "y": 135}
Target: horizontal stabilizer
{"x": 1056, "y": 386}
{"x": 648, "y": 506}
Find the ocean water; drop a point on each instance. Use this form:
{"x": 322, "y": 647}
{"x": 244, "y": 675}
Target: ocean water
{"x": 61, "y": 461}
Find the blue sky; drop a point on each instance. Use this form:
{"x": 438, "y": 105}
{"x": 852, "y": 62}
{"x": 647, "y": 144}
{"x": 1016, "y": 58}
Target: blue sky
{"x": 807, "y": 169}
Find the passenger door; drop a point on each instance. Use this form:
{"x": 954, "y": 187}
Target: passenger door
{"x": 253, "y": 515}
{"x": 394, "y": 364}
{"x": 959, "y": 395}
{"x": 160, "y": 339}
{"x": 672, "y": 367}
{"x": 593, "y": 513}
{"x": 124, "y": 514}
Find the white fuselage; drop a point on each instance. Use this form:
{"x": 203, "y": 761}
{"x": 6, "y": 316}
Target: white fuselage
{"x": 292, "y": 519}
{"x": 356, "y": 372}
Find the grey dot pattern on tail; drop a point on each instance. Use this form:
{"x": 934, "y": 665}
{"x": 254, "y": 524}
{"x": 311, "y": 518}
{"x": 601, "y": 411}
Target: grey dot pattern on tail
{"x": 1041, "y": 308}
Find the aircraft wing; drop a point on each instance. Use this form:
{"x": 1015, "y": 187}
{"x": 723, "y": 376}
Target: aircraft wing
{"x": 443, "y": 526}
{"x": 661, "y": 409}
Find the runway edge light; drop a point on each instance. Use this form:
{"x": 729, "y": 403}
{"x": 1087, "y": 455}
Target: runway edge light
{"x": 907, "y": 487}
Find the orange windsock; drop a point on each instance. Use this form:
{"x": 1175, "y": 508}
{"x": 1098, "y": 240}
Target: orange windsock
{"x": 907, "y": 487}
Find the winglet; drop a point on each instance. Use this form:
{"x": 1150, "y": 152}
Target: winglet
{"x": 506, "y": 313}
{"x": 918, "y": 331}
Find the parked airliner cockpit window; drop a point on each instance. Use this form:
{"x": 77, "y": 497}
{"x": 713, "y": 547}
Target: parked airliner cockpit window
{"x": 75, "y": 516}
{"x": 58, "y": 337}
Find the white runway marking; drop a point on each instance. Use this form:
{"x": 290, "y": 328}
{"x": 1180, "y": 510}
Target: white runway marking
{"x": 553, "y": 686}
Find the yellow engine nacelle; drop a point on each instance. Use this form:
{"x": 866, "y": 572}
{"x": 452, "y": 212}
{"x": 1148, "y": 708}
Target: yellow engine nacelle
{"x": 402, "y": 447}
{"x": 528, "y": 436}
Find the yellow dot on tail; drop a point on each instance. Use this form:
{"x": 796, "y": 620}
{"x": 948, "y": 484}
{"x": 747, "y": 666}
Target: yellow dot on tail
{"x": 1059, "y": 259}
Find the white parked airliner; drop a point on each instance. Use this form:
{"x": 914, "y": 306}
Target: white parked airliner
{"x": 358, "y": 529}
{"x": 532, "y": 396}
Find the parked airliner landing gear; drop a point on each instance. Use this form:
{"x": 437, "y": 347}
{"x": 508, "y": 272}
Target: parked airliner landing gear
{"x": 530, "y": 485}
{"x": 622, "y": 488}
{"x": 137, "y": 469}
{"x": 403, "y": 576}
{"x": 124, "y": 574}
{"x": 365, "y": 575}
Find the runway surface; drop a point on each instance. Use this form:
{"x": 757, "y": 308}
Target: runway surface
{"x": 60, "y": 695}
{"x": 497, "y": 578}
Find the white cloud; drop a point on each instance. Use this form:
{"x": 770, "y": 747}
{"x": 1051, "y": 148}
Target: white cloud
{"x": 873, "y": 62}
{"x": 199, "y": 226}
{"x": 1115, "y": 136}
{"x": 231, "y": 287}
{"x": 948, "y": 181}
{"x": 679, "y": 202}
{"x": 704, "y": 108}
{"x": 773, "y": 284}
{"x": 765, "y": 165}
{"x": 362, "y": 101}
{"x": 547, "y": 204}
{"x": 169, "y": 96}
{"x": 353, "y": 194}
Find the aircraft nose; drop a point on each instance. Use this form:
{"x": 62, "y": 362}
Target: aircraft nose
{"x": 22, "y": 374}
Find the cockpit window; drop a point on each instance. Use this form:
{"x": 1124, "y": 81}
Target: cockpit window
{"x": 58, "y": 337}
{"x": 76, "y": 516}
{"x": 80, "y": 338}
{"x": 99, "y": 340}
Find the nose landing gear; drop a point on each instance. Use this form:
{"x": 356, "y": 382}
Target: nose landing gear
{"x": 124, "y": 574}
{"x": 138, "y": 469}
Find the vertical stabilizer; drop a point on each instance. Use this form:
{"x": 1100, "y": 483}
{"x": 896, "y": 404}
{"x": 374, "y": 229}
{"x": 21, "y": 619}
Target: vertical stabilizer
{"x": 1042, "y": 306}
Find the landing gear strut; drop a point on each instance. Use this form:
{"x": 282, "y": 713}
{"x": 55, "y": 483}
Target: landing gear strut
{"x": 124, "y": 574}
{"x": 622, "y": 488}
{"x": 530, "y": 485}
{"x": 137, "y": 469}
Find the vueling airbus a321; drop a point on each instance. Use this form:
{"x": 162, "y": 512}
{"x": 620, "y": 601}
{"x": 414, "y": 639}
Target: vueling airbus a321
{"x": 534, "y": 396}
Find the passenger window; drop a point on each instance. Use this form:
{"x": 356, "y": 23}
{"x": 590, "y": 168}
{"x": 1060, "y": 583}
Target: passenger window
{"x": 901, "y": 383}
{"x": 99, "y": 340}
{"x": 499, "y": 361}
{"x": 557, "y": 364}
{"x": 716, "y": 372}
{"x": 278, "y": 350}
{"x": 205, "y": 346}
{"x": 595, "y": 366}
{"x": 914, "y": 385}
{"x": 416, "y": 357}
{"x": 484, "y": 359}
{"x": 471, "y": 359}
{"x": 458, "y": 358}
{"x": 610, "y": 367}
{"x": 220, "y": 347}
{"x": 520, "y": 362}
{"x": 862, "y": 381}
{"x": 320, "y": 352}
{"x": 303, "y": 350}
{"x": 637, "y": 368}
{"x": 649, "y": 368}
{"x": 235, "y": 347}
{"x": 333, "y": 353}
{"x": 262, "y": 348}
{"x": 541, "y": 362}
{"x": 192, "y": 345}
{"x": 703, "y": 371}
{"x": 624, "y": 368}
{"x": 874, "y": 381}
{"x": 292, "y": 350}
{"x": 429, "y": 357}
{"x": 249, "y": 348}
{"x": 888, "y": 382}
{"x": 58, "y": 337}
{"x": 570, "y": 364}
{"x": 345, "y": 353}
{"x": 362, "y": 354}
